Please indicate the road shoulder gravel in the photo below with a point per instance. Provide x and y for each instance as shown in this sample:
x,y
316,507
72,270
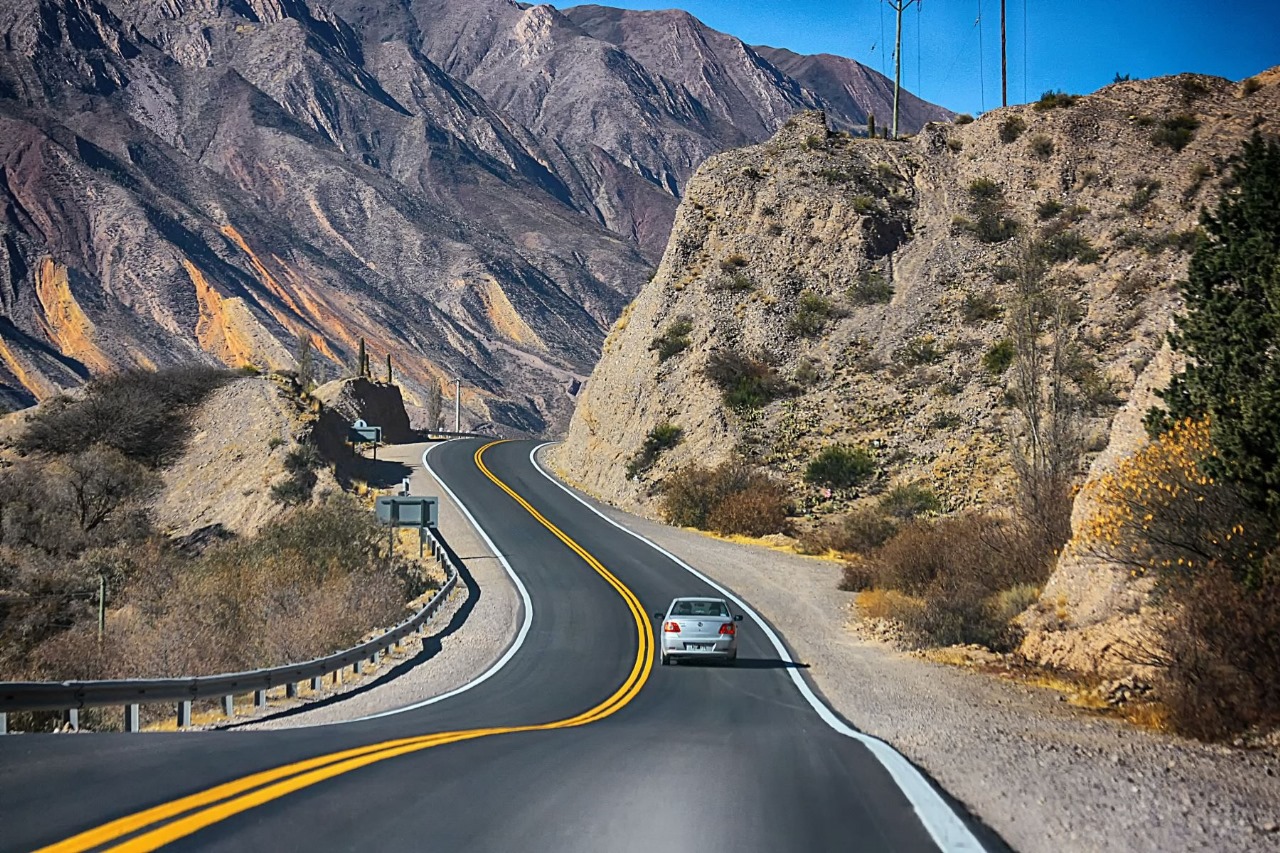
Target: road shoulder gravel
x,y
1044,775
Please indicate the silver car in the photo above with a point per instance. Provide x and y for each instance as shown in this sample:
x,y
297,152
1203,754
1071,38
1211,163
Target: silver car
x,y
698,628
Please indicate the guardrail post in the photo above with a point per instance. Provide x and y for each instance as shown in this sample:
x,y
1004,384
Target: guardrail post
x,y
228,706
184,713
131,717
373,659
317,683
4,723
259,698
358,667
73,719
291,690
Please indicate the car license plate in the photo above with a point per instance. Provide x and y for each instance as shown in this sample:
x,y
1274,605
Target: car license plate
x,y
699,647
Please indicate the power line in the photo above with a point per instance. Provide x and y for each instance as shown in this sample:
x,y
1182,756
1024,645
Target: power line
x,y
982,79
1024,51
883,68
919,66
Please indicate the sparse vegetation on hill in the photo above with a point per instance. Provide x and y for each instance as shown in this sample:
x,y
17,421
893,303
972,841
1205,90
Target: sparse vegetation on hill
x,y
995,362
139,413
72,519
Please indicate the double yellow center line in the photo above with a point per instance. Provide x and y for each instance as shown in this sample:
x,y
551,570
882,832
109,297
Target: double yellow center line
x,y
155,827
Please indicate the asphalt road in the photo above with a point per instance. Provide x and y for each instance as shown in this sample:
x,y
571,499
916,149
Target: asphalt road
x,y
693,758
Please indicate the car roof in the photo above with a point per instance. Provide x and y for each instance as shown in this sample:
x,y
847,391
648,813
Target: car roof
x,y
698,598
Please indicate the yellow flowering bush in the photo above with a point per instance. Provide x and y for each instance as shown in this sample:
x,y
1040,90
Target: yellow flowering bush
x,y
1159,511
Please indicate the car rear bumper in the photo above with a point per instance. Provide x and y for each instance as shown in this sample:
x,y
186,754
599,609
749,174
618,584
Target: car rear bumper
x,y
720,648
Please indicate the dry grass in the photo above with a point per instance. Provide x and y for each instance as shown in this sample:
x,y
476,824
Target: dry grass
x,y
886,604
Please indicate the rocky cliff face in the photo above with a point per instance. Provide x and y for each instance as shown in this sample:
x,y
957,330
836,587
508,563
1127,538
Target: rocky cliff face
x,y
875,241
471,187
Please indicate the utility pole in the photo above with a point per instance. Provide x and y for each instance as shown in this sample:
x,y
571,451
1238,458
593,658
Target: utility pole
x,y
457,405
898,6
1004,61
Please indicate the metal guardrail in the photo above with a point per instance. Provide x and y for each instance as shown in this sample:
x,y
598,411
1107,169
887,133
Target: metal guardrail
x,y
71,696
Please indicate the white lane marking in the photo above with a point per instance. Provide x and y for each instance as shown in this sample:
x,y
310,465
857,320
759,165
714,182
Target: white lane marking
x,y
949,832
520,636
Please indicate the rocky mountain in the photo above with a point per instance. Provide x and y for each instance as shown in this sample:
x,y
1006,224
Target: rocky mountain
x,y
472,188
864,283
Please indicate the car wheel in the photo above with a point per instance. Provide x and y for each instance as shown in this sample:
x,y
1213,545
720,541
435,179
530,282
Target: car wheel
x,y
665,660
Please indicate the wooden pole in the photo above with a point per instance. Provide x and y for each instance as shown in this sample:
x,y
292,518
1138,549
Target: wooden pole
x,y
1004,60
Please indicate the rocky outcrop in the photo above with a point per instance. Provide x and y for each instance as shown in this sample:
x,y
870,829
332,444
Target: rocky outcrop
x,y
875,240
342,402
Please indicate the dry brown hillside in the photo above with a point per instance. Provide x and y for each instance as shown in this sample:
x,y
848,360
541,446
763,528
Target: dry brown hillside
x,y
867,281
837,224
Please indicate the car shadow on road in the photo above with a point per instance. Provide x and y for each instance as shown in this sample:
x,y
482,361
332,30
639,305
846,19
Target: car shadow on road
x,y
751,663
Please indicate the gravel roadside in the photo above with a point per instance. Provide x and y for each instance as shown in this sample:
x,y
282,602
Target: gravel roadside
x,y
1044,775
465,638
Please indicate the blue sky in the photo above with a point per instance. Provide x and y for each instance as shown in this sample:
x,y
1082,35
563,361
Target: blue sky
x,y
1077,46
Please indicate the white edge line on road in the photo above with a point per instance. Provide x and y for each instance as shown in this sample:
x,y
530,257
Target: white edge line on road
x,y
949,832
527,606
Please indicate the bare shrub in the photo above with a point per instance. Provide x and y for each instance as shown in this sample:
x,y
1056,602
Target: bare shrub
x,y
1224,657
139,413
857,532
758,511
309,584
692,497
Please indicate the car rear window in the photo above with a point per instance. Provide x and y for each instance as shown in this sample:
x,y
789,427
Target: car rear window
x,y
699,608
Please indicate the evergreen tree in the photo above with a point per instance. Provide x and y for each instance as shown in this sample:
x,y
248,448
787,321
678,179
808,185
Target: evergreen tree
x,y
362,361
1230,330
388,368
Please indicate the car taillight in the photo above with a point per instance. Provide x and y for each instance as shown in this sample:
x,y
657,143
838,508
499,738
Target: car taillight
x,y
728,628
671,628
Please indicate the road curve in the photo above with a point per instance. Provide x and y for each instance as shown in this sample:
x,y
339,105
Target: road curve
x,y
578,743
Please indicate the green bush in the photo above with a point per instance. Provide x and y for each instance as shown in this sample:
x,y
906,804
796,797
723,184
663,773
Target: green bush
x,y
871,288
840,466
918,351
1144,190
980,307
751,174
1063,246
1048,209
1250,85
661,438
735,282
1176,132
745,382
863,204
1041,146
1011,128
963,118
999,357
1052,100
995,228
674,340
834,176
905,502
985,191
733,262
